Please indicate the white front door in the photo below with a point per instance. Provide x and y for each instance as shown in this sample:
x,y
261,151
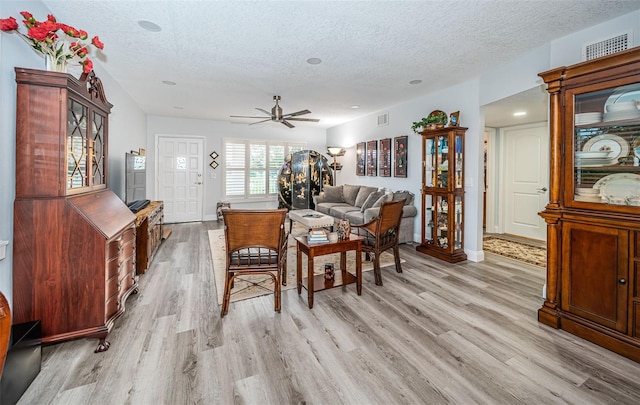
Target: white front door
x,y
526,179
180,177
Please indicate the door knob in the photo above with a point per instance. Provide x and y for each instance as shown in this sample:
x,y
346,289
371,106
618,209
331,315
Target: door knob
x,y
622,281
542,190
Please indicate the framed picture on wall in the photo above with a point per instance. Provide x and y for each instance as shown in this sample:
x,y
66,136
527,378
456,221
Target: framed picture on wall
x,y
360,158
384,163
400,155
372,156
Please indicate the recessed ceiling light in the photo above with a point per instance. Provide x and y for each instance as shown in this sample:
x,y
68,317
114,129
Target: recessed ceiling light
x,y
417,81
314,61
355,107
149,26
169,82
519,113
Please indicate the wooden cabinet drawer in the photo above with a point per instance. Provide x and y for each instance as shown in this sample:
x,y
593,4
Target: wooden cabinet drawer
x,y
111,307
112,287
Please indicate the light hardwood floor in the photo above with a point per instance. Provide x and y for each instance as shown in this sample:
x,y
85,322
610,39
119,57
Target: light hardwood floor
x,y
435,334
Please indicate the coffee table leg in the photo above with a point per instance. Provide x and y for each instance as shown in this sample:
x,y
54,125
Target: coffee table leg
x,y
299,269
310,280
343,265
359,271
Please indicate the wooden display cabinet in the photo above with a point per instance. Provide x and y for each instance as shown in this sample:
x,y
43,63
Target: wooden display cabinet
x,y
74,239
443,194
148,234
593,214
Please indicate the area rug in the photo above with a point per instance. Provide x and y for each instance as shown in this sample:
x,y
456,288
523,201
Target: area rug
x,y
516,250
244,289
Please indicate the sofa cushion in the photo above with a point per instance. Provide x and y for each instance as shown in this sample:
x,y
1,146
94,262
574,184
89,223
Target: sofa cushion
x,y
349,193
373,197
325,207
363,194
333,194
354,217
339,210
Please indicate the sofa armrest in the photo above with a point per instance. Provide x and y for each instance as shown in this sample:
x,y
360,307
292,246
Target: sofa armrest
x,y
319,198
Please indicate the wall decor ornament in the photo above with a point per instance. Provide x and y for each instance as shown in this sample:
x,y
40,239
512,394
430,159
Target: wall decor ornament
x,y
372,155
454,119
59,43
384,169
400,155
214,155
360,158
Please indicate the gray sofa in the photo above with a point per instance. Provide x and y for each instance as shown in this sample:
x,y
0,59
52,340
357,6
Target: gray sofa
x,y
360,204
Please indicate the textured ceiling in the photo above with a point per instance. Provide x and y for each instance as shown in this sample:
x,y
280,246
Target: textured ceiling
x,y
228,57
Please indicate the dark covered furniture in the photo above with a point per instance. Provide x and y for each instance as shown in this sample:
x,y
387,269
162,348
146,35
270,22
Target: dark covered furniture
x,y
256,243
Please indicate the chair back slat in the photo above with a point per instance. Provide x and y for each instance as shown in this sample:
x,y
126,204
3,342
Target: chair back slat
x,y
390,215
254,228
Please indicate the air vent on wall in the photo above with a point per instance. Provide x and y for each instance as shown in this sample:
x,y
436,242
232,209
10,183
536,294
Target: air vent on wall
x,y
607,46
383,119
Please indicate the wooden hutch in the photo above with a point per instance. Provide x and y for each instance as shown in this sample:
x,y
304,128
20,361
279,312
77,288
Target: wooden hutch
x,y
442,231
593,215
74,239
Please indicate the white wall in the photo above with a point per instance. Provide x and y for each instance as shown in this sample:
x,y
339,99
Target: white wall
x,y
214,132
462,97
127,124
469,97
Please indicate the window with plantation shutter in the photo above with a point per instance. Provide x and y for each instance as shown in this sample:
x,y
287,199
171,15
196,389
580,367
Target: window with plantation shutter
x,y
251,167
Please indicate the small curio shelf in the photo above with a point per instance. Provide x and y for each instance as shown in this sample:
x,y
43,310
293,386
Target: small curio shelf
x,y
442,233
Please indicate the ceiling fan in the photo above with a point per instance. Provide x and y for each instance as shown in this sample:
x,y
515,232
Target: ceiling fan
x,y
277,116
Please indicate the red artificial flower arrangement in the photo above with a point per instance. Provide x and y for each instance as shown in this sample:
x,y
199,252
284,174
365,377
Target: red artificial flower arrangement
x,y
59,42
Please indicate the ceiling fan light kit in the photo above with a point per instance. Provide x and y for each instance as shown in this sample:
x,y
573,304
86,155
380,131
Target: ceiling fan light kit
x,y
276,115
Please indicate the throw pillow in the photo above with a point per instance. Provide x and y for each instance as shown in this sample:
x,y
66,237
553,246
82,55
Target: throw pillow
x,y
403,195
349,194
333,194
385,197
363,193
373,197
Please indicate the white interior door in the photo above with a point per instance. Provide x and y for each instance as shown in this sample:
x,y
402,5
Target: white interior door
x,y
526,180
180,177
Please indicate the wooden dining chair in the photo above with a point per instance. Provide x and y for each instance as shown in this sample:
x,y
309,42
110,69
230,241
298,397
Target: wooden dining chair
x,y
256,243
5,329
382,233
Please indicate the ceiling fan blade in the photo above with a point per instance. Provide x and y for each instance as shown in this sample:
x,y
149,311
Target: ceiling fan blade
x,y
246,116
304,119
257,122
287,124
264,111
301,112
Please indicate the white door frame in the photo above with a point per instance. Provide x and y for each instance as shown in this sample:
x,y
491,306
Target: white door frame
x,y
157,166
496,176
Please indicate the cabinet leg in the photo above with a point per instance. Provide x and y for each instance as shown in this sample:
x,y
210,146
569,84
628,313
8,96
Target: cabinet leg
x,y
103,346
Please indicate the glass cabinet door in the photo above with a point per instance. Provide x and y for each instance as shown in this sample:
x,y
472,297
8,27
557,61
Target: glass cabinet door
x,y
441,162
606,147
459,160
77,146
442,222
98,130
429,218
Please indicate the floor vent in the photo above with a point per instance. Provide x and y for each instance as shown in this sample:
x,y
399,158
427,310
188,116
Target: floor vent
x,y
607,46
383,119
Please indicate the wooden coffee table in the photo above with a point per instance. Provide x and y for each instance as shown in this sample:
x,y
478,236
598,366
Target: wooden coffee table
x,y
315,283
